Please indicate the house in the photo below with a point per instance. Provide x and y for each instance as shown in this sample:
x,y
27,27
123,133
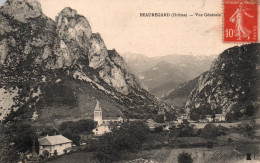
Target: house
x,y
54,144
181,118
220,117
165,126
209,118
151,124
100,130
103,122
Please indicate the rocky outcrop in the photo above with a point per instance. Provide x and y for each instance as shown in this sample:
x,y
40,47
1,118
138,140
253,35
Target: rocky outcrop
x,y
64,61
75,32
98,53
22,10
229,86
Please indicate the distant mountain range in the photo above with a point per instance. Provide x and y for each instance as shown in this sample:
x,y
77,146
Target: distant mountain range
x,y
52,71
230,87
163,74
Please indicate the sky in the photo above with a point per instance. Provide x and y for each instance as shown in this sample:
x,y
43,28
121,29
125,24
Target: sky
x,y
2,2
122,28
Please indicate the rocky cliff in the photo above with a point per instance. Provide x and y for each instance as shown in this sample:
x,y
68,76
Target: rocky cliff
x,y
230,86
60,68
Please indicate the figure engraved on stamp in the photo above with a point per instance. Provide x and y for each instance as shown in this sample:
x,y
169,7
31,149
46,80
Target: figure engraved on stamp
x,y
238,18
240,21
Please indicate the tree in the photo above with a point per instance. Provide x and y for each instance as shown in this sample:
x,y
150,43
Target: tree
x,y
246,129
46,153
185,129
77,127
209,144
229,117
113,126
158,129
21,133
171,116
185,158
74,137
230,140
173,134
159,119
4,146
209,131
124,139
55,153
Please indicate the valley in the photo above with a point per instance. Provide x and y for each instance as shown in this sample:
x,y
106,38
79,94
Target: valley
x,y
66,97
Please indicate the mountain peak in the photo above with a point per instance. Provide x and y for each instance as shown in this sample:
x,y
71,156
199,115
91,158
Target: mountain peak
x,y
72,26
69,12
22,10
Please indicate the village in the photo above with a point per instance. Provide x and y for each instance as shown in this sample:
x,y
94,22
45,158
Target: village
x,y
52,146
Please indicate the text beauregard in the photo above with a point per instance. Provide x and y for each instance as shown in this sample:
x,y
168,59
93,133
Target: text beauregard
x,y
163,15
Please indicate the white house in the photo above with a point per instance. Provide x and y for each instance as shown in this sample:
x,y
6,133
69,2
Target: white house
x,y
209,118
220,117
151,124
100,130
54,143
181,118
103,122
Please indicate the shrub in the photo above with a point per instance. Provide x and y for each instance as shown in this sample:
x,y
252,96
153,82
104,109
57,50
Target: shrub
x,y
246,129
185,158
128,138
230,140
185,129
55,153
211,131
158,129
46,153
210,144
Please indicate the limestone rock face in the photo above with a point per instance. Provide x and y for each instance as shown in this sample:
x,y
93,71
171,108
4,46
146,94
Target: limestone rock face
x,y
22,10
3,50
75,31
98,52
229,87
49,64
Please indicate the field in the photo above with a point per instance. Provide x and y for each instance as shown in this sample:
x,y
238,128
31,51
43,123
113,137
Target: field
x,y
81,157
223,151
223,154
227,125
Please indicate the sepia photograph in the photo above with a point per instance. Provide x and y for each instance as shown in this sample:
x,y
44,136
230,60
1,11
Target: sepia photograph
x,y
133,81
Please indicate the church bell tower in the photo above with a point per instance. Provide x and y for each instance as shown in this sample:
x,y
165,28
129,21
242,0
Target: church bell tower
x,y
98,114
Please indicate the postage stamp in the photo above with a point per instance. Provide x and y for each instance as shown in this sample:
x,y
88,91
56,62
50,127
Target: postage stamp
x,y
240,21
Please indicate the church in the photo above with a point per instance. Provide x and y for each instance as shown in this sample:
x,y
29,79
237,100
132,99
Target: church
x,y
103,122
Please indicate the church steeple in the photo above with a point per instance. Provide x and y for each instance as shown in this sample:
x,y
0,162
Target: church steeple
x,y
98,108
98,114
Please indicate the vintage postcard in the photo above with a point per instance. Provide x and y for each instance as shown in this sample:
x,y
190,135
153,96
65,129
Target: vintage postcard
x,y
133,81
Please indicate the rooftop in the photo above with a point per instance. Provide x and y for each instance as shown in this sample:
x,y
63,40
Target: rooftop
x,y
111,118
53,140
219,115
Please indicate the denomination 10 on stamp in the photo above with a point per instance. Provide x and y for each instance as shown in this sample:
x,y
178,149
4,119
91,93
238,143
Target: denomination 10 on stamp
x,y
240,21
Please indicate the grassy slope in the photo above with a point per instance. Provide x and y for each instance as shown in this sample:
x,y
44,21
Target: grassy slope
x,y
178,97
77,102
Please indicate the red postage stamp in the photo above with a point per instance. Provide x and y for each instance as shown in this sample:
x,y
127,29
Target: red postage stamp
x,y
240,21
